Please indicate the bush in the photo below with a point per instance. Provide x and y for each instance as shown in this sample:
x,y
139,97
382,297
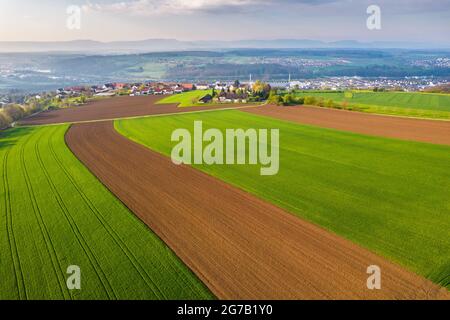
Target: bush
x,y
321,103
124,92
15,112
287,100
310,100
276,100
5,120
300,100
330,104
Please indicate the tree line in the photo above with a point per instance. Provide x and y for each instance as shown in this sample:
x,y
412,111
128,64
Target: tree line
x,y
13,112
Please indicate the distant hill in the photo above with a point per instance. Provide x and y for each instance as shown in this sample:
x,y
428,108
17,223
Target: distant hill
x,y
155,45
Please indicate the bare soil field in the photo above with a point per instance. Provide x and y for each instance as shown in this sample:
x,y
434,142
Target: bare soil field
x,y
432,131
112,108
240,246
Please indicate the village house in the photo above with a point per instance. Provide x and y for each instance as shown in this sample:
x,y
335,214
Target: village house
x,y
206,99
108,86
232,97
202,86
3,102
178,89
188,86
120,86
158,92
220,86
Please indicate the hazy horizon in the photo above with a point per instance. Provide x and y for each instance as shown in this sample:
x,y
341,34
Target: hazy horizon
x,y
422,21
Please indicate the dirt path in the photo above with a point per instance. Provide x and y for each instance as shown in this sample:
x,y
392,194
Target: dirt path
x,y
386,126
113,108
240,247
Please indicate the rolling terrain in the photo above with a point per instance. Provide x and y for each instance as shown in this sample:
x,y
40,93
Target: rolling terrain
x,y
413,104
341,202
54,213
387,195
240,246
38,71
114,108
432,131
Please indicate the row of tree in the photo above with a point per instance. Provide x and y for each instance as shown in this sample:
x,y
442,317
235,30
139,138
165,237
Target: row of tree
x,y
291,99
15,112
12,113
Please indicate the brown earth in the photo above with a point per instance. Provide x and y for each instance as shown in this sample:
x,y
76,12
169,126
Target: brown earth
x,y
113,108
240,246
433,131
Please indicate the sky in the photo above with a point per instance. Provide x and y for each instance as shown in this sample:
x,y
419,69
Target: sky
x,y
327,20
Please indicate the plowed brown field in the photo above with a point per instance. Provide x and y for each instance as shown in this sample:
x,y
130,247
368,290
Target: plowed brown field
x,y
113,108
432,131
240,246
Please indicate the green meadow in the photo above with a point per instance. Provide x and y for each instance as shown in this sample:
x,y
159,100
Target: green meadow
x,y
54,213
185,99
390,196
416,104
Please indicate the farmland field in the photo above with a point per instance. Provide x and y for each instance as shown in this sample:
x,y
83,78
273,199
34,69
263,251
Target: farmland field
x,y
387,195
401,103
241,246
185,99
422,130
55,213
113,108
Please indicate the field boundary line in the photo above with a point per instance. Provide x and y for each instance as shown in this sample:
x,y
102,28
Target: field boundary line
x,y
185,271
372,113
10,232
85,246
198,221
136,117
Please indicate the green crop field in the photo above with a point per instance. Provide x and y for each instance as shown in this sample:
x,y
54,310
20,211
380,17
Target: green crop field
x,y
401,103
387,195
54,213
185,99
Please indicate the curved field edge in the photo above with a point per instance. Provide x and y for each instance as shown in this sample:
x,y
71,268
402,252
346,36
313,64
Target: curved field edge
x,y
186,99
387,195
189,99
55,213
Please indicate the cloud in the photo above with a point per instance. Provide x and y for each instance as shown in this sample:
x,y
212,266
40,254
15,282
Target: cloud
x,y
164,7
184,7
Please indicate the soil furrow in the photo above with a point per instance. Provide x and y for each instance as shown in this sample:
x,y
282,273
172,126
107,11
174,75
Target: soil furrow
x,y
212,227
431,131
152,286
114,108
